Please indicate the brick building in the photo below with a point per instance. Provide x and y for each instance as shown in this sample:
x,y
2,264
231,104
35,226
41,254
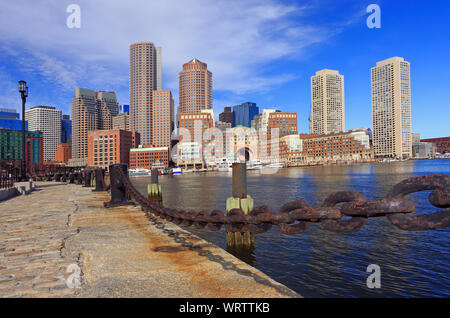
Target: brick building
x,y
107,147
187,129
63,153
335,148
442,144
149,156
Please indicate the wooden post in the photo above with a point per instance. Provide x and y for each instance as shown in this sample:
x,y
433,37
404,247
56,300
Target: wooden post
x,y
154,188
240,200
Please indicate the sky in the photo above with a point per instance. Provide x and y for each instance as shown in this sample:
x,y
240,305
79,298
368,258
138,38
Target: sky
x,y
263,51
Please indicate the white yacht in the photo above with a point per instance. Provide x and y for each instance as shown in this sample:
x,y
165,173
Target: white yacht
x,y
275,165
176,170
254,165
224,165
137,172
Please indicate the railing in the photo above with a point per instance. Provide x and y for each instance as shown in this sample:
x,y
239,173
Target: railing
x,y
293,217
297,216
6,180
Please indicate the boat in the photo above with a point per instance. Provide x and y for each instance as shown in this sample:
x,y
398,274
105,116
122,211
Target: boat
x,y
254,165
224,165
138,172
275,165
176,170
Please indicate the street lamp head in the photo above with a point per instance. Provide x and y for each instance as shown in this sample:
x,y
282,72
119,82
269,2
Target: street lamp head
x,y
23,88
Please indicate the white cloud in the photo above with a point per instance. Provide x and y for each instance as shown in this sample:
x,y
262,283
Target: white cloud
x,y
238,40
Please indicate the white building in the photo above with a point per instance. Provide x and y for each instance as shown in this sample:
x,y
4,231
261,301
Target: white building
x,y
47,120
391,108
327,103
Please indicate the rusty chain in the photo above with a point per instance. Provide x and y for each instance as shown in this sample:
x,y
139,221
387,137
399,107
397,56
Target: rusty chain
x,y
296,216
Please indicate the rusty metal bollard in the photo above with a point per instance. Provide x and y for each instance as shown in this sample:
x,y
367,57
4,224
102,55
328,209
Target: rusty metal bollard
x,y
100,184
79,177
71,177
154,192
118,189
240,200
87,178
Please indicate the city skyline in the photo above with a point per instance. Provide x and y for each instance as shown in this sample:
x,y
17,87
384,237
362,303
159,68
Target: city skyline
x,y
270,79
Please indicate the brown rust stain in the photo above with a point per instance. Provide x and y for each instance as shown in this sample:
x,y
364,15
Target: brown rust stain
x,y
181,258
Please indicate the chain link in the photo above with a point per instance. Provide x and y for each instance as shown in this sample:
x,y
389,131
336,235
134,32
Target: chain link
x,y
296,216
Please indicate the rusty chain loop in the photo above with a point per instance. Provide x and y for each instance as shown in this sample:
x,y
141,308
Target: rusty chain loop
x,y
296,216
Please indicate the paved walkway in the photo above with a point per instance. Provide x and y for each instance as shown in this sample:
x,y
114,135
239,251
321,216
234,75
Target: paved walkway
x,y
121,252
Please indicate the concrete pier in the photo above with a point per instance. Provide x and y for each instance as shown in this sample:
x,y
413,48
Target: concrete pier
x,y
119,251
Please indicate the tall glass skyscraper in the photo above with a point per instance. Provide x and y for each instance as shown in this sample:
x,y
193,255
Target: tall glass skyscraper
x,y
243,114
66,129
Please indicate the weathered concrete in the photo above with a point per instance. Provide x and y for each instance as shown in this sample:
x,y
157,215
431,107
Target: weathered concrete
x,y
120,251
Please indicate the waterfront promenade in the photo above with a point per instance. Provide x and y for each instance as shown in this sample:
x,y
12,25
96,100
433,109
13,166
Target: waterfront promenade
x,y
121,253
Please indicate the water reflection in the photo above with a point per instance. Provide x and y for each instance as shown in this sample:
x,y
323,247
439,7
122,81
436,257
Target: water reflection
x,y
319,263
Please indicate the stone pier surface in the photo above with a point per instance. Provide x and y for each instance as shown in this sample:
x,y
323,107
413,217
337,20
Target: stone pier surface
x,y
120,252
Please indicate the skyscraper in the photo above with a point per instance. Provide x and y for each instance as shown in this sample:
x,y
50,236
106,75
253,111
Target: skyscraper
x,y
327,102
195,87
90,111
145,77
391,108
66,129
10,119
47,120
244,113
226,116
162,118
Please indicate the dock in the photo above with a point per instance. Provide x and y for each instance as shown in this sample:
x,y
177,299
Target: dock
x,y
48,234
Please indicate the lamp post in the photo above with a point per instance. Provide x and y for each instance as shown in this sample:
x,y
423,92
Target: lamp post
x,y
23,89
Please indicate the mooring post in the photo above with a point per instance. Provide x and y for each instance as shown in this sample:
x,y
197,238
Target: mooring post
x,y
100,184
240,200
72,177
79,177
118,189
64,177
154,188
87,178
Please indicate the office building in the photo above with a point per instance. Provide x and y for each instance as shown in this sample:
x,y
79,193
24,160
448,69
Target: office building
x,y
144,78
90,111
337,148
226,116
442,144
195,87
327,102
148,156
63,153
11,147
47,120
66,129
121,121
391,108
107,147
222,125
191,130
10,119
162,118
244,113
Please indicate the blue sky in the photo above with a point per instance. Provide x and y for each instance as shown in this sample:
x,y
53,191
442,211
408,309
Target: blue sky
x,y
260,51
